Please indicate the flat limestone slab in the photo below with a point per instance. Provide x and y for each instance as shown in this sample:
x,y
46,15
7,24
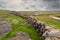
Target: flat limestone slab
x,y
20,36
5,27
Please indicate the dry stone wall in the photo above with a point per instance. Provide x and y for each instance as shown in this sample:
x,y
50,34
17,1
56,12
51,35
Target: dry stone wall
x,y
45,31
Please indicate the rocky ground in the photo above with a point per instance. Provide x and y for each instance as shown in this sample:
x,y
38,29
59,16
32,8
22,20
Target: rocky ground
x,y
20,36
5,27
56,18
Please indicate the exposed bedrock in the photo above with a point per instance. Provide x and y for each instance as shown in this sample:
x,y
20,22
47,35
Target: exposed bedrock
x,y
5,27
21,36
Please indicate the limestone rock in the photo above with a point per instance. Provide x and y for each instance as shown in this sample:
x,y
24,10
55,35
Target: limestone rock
x,y
20,36
52,34
4,28
15,21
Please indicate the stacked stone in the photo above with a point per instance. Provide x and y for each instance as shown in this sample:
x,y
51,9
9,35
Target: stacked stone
x,y
39,27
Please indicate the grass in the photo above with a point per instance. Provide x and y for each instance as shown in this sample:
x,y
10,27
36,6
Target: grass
x,y
19,27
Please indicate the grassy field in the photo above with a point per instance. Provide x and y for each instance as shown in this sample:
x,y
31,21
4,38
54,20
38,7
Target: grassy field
x,y
18,27
45,17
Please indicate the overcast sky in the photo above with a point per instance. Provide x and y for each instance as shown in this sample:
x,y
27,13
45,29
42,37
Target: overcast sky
x,y
30,5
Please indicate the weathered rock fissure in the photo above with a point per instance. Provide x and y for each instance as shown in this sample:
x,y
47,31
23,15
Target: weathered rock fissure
x,y
45,31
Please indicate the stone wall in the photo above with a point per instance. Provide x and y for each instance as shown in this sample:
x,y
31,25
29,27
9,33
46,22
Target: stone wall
x,y
45,31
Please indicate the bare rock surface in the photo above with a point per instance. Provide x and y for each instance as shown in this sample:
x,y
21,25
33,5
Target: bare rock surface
x,y
57,18
15,21
52,34
5,27
20,36
1,18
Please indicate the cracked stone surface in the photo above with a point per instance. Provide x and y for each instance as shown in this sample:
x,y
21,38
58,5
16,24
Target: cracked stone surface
x,y
5,27
20,36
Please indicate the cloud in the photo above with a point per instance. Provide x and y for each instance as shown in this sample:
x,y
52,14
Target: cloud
x,y
30,5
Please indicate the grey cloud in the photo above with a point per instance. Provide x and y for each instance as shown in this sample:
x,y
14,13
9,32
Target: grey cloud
x,y
30,5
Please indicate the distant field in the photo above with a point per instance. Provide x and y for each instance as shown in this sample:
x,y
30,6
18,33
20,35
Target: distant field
x,y
57,13
45,17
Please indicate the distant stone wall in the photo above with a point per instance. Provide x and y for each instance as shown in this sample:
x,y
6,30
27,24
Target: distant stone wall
x,y
45,31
